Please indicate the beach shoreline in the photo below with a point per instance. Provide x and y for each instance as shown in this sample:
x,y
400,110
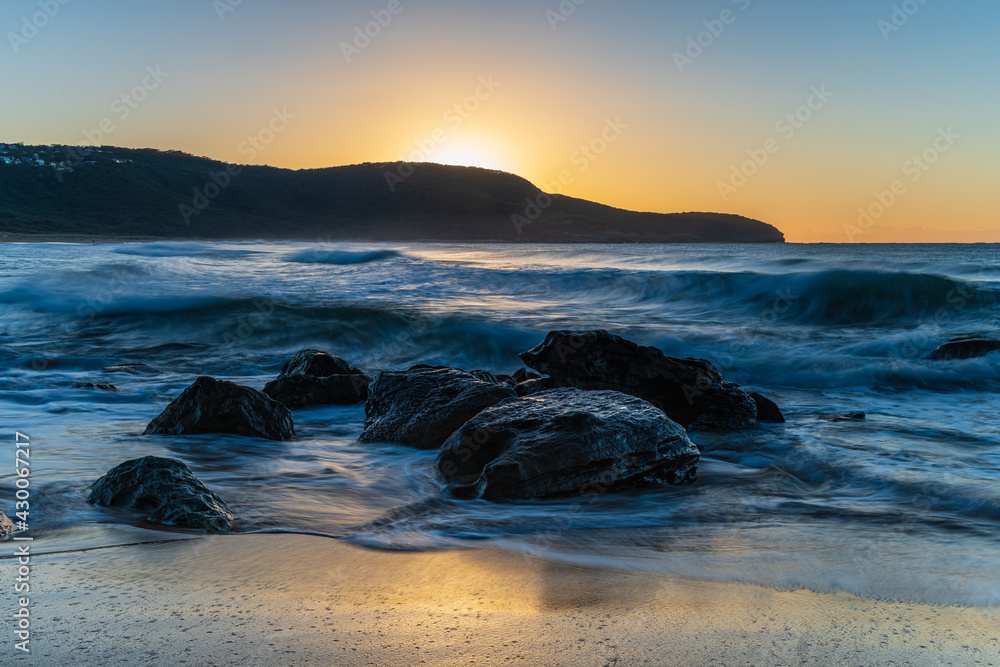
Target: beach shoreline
x,y
303,600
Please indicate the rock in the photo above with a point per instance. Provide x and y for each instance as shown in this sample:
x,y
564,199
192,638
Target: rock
x,y
767,410
165,491
421,407
317,363
103,386
690,391
130,369
313,377
217,406
965,348
523,375
486,376
845,417
6,527
296,391
533,386
566,441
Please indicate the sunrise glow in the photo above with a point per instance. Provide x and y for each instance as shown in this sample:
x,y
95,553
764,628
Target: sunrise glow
x,y
728,122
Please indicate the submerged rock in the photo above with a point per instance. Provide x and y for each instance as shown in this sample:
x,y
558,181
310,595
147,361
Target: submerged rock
x,y
691,391
6,527
218,406
130,369
103,386
845,417
767,410
421,407
563,442
164,491
965,348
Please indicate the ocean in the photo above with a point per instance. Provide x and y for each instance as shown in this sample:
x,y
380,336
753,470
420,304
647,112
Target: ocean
x,y
902,505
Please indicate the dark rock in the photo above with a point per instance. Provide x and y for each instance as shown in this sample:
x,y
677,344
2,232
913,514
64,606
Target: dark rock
x,y
317,363
103,386
421,407
313,377
690,391
767,410
523,375
6,527
566,441
533,386
485,376
295,391
165,491
965,348
131,369
217,406
845,417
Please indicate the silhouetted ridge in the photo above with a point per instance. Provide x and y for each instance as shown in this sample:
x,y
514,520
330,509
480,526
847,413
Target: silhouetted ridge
x,y
145,192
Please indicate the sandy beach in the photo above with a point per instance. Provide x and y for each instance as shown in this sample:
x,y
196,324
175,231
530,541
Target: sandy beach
x,y
303,600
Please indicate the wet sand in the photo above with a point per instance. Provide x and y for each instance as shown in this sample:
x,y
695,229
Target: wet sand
x,y
303,600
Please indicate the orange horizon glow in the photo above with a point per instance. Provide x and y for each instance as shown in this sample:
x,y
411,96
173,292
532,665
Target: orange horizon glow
x,y
775,119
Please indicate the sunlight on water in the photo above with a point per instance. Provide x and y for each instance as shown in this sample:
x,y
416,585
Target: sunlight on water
x,y
904,504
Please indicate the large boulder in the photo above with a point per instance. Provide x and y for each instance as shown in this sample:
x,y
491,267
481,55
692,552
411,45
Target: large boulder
x,y
421,407
566,441
318,364
6,527
164,491
691,391
217,406
313,377
296,391
965,348
767,410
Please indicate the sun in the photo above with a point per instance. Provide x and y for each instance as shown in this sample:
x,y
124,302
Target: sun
x,y
472,152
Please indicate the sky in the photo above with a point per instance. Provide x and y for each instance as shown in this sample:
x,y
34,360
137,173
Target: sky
x,y
847,121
